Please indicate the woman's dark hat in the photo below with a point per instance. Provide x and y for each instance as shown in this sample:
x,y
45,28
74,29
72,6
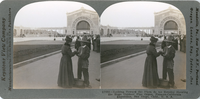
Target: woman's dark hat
x,y
68,39
153,39
84,39
169,39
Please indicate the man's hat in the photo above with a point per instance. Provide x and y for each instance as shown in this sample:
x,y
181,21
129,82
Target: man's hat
x,y
68,39
169,39
84,39
153,39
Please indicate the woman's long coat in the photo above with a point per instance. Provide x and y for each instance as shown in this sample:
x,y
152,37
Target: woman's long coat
x,y
66,76
150,75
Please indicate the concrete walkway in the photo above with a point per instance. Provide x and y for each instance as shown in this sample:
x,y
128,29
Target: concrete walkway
x,y
127,74
43,73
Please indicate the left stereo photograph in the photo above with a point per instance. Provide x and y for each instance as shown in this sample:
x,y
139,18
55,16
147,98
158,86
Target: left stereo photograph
x,y
56,45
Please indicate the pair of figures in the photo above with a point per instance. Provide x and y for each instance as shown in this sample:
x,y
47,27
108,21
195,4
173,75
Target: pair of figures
x,y
150,75
66,76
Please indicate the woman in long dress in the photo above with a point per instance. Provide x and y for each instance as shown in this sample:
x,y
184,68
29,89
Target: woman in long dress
x,y
150,75
66,76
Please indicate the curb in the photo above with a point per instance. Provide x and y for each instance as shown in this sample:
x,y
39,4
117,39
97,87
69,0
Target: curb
x,y
121,59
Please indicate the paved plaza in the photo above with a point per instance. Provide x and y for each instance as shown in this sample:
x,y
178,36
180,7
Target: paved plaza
x,y
127,74
20,39
43,73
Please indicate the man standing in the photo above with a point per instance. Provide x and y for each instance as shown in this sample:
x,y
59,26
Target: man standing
x,y
83,62
168,62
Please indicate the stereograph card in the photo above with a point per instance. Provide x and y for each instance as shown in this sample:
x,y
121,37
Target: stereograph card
x,y
99,49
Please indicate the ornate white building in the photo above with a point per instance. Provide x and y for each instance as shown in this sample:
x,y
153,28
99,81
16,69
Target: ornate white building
x,y
83,21
169,21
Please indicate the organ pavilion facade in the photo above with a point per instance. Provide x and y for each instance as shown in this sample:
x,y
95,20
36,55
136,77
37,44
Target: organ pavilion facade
x,y
83,21
169,21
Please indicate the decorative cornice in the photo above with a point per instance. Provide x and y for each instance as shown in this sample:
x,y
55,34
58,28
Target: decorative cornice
x,y
167,11
81,10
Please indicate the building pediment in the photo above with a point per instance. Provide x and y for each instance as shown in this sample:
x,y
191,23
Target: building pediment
x,y
82,12
169,11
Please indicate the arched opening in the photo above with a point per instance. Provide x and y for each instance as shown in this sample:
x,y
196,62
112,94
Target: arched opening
x,y
170,27
83,27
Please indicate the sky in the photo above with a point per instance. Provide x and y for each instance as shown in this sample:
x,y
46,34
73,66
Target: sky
x,y
132,14
47,14
53,14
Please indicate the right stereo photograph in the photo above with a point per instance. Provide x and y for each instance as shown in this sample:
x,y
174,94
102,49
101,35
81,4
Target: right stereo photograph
x,y
143,46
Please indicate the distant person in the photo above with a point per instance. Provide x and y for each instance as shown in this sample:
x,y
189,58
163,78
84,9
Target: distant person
x,y
89,42
150,75
77,43
184,43
66,76
98,43
180,42
176,43
163,44
94,44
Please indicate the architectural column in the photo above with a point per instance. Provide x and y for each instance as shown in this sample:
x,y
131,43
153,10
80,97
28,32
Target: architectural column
x,y
149,31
